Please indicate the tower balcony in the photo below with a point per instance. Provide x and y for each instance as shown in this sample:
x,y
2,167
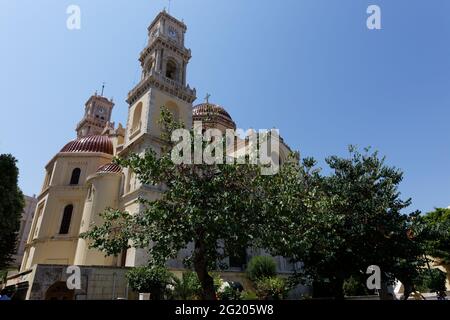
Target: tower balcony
x,y
163,41
135,130
156,79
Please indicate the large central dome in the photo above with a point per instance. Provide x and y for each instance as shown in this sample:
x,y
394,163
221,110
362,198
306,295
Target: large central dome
x,y
210,113
95,143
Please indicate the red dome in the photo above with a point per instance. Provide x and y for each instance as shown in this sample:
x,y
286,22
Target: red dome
x,y
109,168
90,144
211,112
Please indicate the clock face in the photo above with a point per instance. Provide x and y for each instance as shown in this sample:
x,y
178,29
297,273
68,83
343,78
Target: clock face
x,y
101,110
173,33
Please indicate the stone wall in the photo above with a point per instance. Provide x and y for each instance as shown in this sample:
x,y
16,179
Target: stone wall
x,y
97,283
107,283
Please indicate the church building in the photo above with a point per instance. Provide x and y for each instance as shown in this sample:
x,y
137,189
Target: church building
x,y
81,181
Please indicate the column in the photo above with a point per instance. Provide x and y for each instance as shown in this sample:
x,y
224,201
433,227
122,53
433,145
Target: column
x,y
158,60
184,74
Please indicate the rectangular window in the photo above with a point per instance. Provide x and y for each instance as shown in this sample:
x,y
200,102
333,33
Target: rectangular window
x,y
67,217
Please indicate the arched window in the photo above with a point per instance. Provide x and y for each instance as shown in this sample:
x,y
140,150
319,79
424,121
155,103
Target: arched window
x,y
149,66
128,183
66,219
91,193
59,291
171,70
172,107
137,118
75,178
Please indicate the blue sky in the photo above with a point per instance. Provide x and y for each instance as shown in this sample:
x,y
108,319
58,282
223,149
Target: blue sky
x,y
308,67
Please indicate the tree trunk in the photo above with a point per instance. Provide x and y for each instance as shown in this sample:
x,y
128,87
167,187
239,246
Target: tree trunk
x,y
408,289
337,288
201,268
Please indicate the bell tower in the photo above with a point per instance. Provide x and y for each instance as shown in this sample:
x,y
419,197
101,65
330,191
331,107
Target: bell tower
x,y
97,115
163,81
165,52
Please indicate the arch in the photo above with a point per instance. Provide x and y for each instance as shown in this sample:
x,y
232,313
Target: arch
x,y
59,291
66,219
91,193
283,157
171,69
136,124
75,178
128,182
149,65
173,109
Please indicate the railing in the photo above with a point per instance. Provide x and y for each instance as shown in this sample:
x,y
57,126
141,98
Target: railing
x,y
163,79
135,130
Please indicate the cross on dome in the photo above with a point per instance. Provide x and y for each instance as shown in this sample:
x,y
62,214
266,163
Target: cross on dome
x,y
207,97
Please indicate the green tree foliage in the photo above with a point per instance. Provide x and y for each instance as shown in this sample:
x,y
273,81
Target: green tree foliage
x,y
436,234
338,225
432,280
206,205
11,207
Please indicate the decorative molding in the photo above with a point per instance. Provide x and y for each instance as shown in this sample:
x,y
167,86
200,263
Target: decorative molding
x,y
164,14
161,42
157,80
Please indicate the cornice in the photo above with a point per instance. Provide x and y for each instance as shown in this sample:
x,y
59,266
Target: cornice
x,y
164,42
170,18
157,80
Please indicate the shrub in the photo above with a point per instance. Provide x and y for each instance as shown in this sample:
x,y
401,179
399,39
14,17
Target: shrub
x,y
261,267
218,281
248,295
432,280
153,280
230,291
3,275
354,287
273,288
188,287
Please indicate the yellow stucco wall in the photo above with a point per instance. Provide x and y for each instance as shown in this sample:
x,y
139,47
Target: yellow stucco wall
x,y
45,244
105,191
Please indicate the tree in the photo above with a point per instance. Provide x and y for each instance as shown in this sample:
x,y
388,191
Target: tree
x,y
213,207
339,225
432,230
11,207
436,227
433,280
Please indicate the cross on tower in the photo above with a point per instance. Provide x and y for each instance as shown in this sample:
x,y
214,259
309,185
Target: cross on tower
x,y
103,88
207,97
